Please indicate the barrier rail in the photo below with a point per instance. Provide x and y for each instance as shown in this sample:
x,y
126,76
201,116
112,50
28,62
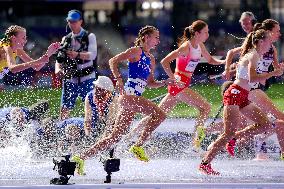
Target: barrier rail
x,y
156,186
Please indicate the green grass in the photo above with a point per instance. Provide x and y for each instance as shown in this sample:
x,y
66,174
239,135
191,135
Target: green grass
x,y
26,97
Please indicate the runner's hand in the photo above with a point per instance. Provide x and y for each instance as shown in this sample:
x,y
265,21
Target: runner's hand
x,y
226,74
277,72
53,47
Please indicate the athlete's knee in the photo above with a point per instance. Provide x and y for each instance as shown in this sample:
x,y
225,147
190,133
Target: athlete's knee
x,y
228,135
157,118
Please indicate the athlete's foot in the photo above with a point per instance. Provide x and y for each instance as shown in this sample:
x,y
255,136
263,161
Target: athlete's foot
x,y
207,169
200,136
230,147
139,153
80,164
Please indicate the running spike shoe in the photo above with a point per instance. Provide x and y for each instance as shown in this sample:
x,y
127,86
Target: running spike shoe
x,y
139,153
199,137
80,164
207,169
231,147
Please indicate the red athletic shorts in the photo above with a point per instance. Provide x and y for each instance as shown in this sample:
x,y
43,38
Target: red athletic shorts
x,y
173,89
235,95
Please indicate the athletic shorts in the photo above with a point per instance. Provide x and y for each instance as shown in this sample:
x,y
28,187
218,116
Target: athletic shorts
x,y
71,91
235,95
173,89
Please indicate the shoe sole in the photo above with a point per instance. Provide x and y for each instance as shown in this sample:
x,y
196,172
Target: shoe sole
x,y
206,173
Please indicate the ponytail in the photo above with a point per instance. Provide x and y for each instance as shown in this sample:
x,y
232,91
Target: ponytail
x,y
189,31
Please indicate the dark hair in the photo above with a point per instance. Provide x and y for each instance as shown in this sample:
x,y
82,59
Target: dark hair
x,y
189,31
267,24
146,30
252,39
257,26
11,31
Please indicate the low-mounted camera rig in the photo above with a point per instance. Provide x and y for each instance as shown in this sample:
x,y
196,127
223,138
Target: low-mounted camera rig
x,y
111,165
64,167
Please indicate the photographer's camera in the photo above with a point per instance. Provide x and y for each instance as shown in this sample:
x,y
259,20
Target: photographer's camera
x,y
64,167
69,66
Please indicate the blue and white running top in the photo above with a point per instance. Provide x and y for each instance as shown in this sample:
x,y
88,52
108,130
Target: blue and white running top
x,y
138,73
263,65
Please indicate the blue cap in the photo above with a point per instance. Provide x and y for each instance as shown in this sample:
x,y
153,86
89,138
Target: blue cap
x,y
74,15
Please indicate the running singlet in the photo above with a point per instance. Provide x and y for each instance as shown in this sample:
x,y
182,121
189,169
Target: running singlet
x,y
185,64
188,63
242,70
3,61
263,66
138,73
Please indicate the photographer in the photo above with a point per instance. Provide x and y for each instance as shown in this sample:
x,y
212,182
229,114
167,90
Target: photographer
x,y
76,63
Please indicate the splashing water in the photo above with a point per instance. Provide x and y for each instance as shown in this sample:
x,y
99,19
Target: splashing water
x,y
19,167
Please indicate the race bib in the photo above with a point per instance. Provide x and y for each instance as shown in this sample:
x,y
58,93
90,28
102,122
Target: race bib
x,y
263,65
191,65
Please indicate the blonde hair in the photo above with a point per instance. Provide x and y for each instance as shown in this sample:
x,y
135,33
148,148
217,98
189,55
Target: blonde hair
x,y
11,31
147,30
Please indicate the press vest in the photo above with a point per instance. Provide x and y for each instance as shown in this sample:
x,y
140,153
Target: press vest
x,y
84,68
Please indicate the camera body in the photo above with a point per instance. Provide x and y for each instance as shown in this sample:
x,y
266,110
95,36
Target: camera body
x,y
69,66
111,165
64,167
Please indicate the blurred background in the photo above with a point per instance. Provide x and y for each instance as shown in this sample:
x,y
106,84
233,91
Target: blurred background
x,y
116,24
